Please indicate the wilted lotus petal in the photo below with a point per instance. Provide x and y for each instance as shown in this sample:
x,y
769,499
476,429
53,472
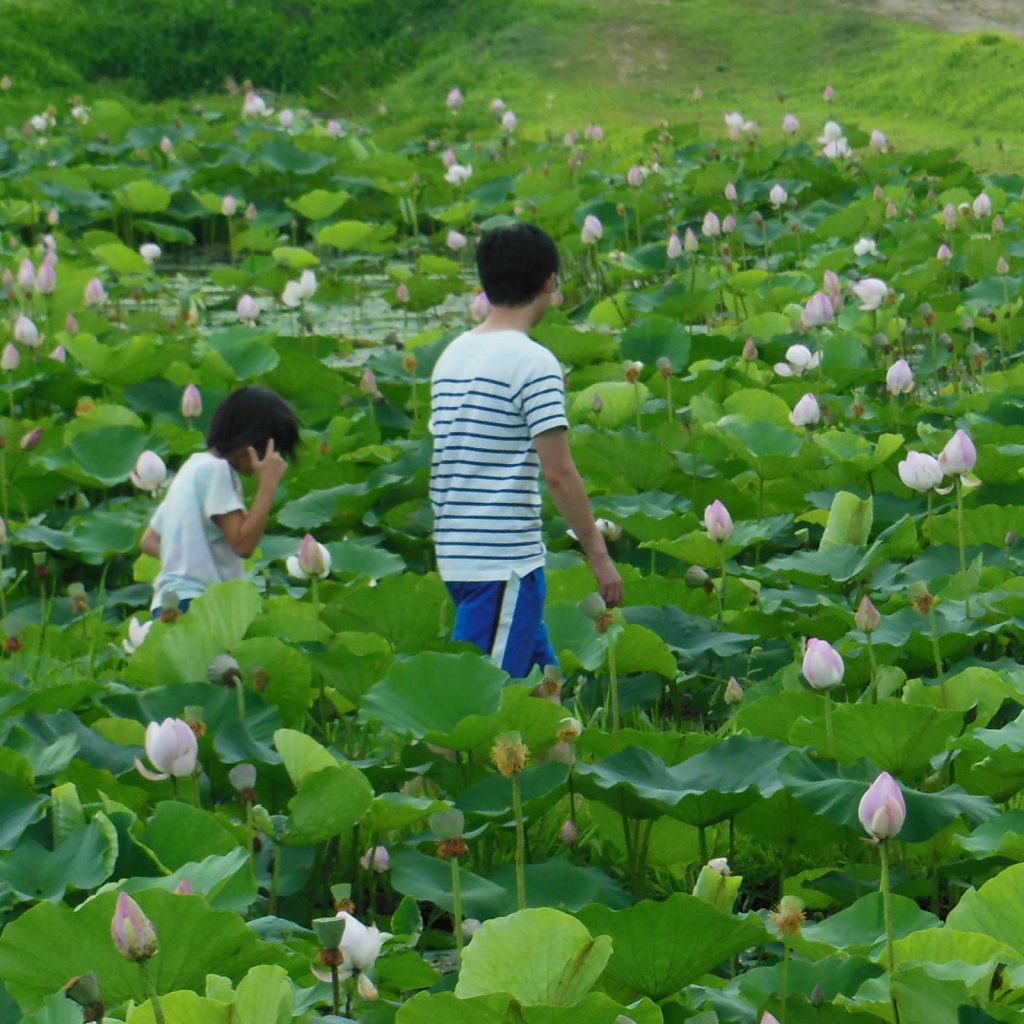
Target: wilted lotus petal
x,y
136,634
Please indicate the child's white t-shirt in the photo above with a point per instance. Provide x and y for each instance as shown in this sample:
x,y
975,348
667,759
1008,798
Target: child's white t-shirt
x,y
193,551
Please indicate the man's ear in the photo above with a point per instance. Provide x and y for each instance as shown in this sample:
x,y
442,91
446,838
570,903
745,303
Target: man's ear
x,y
551,284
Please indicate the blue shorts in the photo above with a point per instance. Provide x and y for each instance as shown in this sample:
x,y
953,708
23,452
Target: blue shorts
x,y
505,619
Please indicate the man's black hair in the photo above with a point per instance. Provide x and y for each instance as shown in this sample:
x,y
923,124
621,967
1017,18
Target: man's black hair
x,y
514,262
250,417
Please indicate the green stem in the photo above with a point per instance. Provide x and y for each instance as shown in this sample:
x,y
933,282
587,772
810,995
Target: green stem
x,y
613,682
636,394
154,996
721,587
335,990
874,671
668,399
195,790
702,839
883,852
937,653
928,521
517,806
785,978
830,745
457,907
963,546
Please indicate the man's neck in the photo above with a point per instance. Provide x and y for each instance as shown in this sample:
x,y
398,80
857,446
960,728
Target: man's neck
x,y
510,318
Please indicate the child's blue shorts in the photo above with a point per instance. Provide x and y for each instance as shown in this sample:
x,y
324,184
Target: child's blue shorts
x,y
505,619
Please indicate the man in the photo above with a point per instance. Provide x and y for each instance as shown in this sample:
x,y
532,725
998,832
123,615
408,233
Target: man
x,y
498,418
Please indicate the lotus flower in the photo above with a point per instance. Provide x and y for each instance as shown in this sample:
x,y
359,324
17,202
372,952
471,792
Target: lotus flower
x,y
817,312
635,176
313,559
456,240
229,205
254,105
46,278
750,352
59,354
899,379
837,149
712,226
10,359
944,253
248,308
959,456
920,471
26,276
865,247
790,125
778,195
496,106
982,205
674,249
402,295
31,440
798,360
730,192
95,294
243,776
376,859
454,99
286,118
878,140
718,522
133,933
149,473
191,402
594,132
734,122
509,121
882,809
26,332
172,749
166,146
822,667
334,128
867,618
806,412
458,174
828,94
949,216
871,292
728,224
593,229
360,945
296,293
569,833
1002,266
733,691
150,251
690,243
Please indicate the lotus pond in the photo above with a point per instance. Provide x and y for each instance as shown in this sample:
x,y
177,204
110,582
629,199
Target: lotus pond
x,y
758,330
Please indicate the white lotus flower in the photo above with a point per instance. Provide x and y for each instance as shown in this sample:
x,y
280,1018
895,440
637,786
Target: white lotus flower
x,y
458,174
865,247
137,632
149,473
799,359
296,293
871,292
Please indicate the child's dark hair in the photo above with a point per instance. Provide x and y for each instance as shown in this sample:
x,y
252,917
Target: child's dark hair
x,y
250,417
514,262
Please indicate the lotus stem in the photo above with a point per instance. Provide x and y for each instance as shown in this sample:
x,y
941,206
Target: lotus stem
x,y
963,546
883,853
830,744
785,978
937,653
721,587
517,807
668,399
929,529
154,996
613,685
873,685
636,395
335,990
457,901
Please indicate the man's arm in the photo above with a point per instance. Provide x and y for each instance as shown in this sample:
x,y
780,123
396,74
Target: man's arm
x,y
565,485
150,543
241,529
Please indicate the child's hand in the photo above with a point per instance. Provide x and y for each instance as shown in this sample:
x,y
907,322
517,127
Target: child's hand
x,y
271,467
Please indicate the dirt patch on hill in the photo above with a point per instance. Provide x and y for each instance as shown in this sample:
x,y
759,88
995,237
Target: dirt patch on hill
x,y
951,15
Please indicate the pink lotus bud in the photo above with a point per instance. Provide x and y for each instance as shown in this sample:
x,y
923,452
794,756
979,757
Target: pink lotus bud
x,y
166,146
334,128
734,122
890,210
718,522
313,560
287,119
26,332
229,205
402,293
5,82
823,668
729,224
867,618
768,1018
806,412
570,138
790,125
877,193
730,192
828,94
982,205
949,216
733,691
674,249
59,354
481,306
944,253
594,132
778,196
150,252
959,456
251,213
248,308
31,439
712,226
750,352
593,229
184,888
448,157
871,292
10,359
191,402
95,294
71,324
26,276
899,379
455,99
53,216
456,240
46,278
150,473
920,471
818,311
1002,267
882,809
635,176
690,243
878,140
496,106
997,224
243,776
509,121
368,385
570,833
376,859
132,932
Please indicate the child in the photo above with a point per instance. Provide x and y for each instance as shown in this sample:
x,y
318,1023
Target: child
x,y
202,532
498,420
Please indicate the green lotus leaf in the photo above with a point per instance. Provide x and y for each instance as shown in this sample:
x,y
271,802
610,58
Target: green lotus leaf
x,y
319,204
429,878
993,910
142,197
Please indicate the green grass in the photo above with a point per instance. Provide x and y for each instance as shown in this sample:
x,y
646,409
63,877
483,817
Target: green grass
x,y
629,65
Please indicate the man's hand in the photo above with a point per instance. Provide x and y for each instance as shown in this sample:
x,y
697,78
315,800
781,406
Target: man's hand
x,y
271,468
609,582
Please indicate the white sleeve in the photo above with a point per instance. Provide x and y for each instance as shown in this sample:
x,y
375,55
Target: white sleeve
x,y
219,496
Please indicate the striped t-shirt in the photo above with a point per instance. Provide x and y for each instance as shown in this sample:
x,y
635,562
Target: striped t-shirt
x,y
492,392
